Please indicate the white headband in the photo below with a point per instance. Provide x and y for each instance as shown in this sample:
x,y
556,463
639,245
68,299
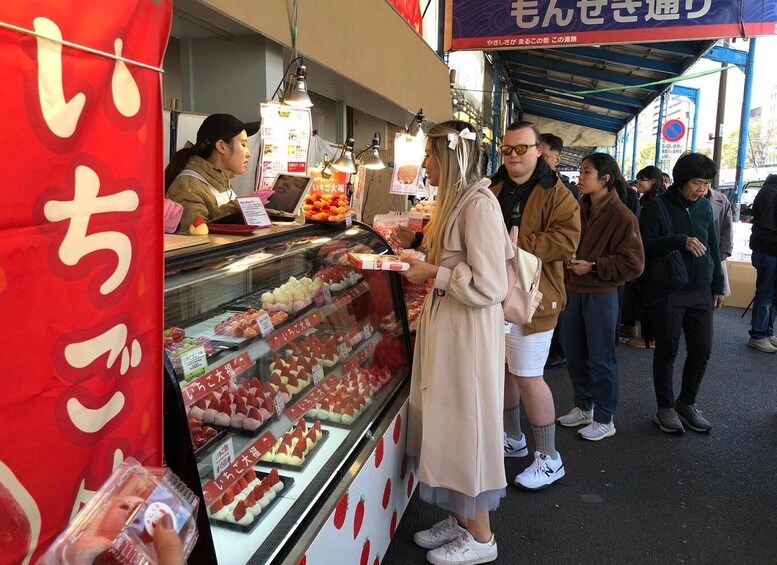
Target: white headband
x,y
453,138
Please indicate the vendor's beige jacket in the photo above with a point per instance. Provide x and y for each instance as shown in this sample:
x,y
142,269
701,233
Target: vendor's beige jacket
x,y
456,397
196,197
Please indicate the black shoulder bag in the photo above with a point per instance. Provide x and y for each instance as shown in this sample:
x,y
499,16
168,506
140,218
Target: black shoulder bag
x,y
665,274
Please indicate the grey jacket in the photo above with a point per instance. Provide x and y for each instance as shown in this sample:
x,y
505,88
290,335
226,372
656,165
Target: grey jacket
x,y
724,222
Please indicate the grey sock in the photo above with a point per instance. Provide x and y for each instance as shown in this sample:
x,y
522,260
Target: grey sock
x,y
512,422
545,439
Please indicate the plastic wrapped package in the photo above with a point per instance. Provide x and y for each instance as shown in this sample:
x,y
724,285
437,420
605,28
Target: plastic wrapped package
x,y
386,225
117,524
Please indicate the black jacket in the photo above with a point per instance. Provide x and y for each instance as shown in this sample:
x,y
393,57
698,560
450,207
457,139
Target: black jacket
x,y
695,221
764,236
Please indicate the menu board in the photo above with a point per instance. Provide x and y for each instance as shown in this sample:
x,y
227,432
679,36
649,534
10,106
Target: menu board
x,y
408,158
286,134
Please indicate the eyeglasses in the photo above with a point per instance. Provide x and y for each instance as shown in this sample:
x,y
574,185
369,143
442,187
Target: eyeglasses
x,y
519,149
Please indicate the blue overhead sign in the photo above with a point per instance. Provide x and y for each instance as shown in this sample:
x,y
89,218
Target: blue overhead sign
x,y
516,24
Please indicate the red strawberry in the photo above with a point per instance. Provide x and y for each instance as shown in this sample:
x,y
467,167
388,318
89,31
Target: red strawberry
x,y
410,483
299,450
379,454
218,505
242,483
250,500
365,553
228,498
358,518
250,475
253,413
393,525
240,511
341,511
377,560
304,560
397,428
274,477
387,494
256,383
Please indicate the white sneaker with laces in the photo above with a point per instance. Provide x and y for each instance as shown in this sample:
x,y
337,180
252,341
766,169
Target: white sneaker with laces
x,y
773,340
596,431
576,417
515,448
438,535
464,550
540,474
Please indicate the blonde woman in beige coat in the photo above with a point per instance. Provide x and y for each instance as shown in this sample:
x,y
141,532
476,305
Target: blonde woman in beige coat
x,y
456,399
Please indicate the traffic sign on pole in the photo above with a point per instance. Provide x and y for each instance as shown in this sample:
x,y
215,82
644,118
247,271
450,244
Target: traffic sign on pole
x,y
673,130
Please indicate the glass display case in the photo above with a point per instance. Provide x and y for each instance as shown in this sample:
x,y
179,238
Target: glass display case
x,y
280,360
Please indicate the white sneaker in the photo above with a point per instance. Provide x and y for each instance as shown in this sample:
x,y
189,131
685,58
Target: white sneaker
x,y
576,417
439,534
540,474
464,550
515,447
596,431
764,344
773,340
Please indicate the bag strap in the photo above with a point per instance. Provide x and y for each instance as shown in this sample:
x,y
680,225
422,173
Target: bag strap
x,y
668,225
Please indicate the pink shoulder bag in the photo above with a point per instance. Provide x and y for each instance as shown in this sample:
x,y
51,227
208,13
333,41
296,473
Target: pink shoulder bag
x,y
523,278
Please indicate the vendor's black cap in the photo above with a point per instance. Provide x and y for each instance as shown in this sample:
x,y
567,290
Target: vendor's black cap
x,y
221,126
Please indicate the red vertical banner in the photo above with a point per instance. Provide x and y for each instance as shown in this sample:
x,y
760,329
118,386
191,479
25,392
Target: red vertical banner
x,y
80,255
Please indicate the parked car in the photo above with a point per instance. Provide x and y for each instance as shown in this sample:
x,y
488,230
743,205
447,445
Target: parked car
x,y
749,191
726,188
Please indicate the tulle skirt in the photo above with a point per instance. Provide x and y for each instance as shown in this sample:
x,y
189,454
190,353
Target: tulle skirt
x,y
461,504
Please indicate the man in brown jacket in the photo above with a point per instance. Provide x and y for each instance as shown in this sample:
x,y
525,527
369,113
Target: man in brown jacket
x,y
533,198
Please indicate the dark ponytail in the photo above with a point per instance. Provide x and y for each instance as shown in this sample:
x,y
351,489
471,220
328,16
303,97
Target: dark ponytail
x,y
654,174
606,165
178,163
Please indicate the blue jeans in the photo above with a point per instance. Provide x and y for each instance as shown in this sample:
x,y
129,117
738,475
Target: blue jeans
x,y
765,303
589,323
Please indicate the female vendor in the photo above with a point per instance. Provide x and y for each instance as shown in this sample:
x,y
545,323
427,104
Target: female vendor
x,y
198,175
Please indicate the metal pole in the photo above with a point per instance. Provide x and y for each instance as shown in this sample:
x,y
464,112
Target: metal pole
x,y
696,106
623,150
717,149
744,127
495,126
441,29
634,148
660,126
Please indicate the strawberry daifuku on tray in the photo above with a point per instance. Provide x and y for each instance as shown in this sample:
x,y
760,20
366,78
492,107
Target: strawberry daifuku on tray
x,y
351,397
244,501
293,447
246,406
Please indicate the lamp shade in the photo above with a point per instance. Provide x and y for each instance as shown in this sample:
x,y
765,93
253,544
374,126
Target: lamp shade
x,y
373,161
345,162
297,94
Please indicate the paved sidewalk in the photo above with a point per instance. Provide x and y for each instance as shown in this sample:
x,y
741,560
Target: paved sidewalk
x,y
643,496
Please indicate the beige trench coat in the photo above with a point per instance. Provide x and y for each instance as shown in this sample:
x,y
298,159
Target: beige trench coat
x,y
457,384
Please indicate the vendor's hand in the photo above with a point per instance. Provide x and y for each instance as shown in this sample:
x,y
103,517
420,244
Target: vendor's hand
x,y
724,256
420,271
695,246
405,236
167,543
580,267
717,301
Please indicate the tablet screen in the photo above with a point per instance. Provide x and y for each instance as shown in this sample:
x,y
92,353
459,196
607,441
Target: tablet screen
x,y
289,193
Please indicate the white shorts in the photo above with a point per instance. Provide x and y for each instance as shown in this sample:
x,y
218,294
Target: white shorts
x,y
527,354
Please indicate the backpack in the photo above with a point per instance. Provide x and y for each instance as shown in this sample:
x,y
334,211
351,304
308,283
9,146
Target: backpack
x,y
523,278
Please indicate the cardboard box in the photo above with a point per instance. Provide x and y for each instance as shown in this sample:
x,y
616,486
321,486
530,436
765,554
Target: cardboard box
x,y
741,277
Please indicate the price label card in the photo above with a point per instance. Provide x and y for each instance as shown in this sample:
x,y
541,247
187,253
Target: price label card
x,y
223,457
367,330
318,373
342,350
280,405
318,297
348,220
194,362
253,211
265,324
